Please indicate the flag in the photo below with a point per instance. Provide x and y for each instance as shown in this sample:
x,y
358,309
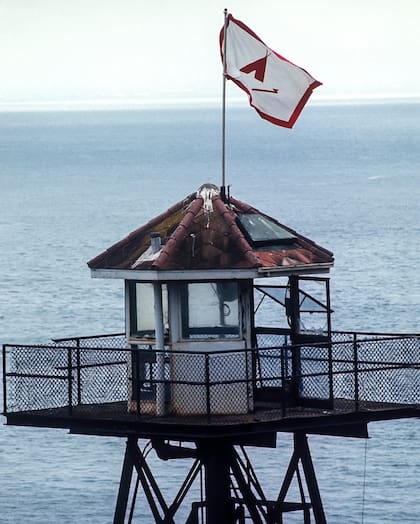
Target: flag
x,y
277,88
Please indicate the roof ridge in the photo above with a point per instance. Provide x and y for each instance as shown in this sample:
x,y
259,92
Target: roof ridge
x,y
176,236
237,233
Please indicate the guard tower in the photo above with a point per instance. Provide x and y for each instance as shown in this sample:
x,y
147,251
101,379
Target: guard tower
x,y
228,341
189,287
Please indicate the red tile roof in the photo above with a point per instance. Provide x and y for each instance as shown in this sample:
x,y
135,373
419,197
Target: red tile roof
x,y
203,232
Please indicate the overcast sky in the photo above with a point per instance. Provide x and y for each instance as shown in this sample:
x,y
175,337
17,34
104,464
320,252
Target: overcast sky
x,y
143,50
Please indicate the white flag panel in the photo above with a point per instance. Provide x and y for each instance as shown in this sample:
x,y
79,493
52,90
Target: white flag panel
x,y
276,88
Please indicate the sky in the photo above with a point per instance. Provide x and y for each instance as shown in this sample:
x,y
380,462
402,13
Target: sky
x,y
136,51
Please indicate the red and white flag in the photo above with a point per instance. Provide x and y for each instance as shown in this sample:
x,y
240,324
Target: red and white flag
x,y
276,88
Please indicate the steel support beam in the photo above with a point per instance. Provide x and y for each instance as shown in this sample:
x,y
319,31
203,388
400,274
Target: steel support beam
x,y
249,498
301,442
150,487
216,457
231,487
302,454
124,489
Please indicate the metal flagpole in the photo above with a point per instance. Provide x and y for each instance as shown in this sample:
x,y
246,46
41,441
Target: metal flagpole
x,y
223,187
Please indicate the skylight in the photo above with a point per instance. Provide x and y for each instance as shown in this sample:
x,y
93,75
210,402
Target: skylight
x,y
261,230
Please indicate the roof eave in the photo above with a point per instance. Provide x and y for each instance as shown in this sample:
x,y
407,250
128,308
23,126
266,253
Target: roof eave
x,y
311,269
152,275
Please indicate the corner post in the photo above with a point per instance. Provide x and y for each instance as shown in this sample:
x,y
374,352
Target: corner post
x,y
294,315
160,349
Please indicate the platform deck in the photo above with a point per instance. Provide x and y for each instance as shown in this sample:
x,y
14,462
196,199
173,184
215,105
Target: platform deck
x,y
114,419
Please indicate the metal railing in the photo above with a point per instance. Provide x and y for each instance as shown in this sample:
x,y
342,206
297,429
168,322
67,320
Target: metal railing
x,y
99,372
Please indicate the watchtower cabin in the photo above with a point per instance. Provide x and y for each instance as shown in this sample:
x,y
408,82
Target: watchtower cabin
x,y
228,341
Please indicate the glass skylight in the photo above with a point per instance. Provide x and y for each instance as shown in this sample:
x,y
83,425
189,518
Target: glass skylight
x,y
260,229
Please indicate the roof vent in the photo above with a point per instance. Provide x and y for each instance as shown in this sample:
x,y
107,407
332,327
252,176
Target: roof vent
x,y
152,252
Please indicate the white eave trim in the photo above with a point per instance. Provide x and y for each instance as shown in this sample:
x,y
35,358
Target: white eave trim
x,y
209,274
165,276
295,270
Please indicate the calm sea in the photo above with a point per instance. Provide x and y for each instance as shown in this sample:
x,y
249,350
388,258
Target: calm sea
x,y
72,183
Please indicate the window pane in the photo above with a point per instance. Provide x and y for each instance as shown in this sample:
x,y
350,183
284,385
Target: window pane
x,y
212,309
145,315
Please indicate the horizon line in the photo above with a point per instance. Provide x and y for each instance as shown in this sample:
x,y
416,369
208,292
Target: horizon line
x,y
114,104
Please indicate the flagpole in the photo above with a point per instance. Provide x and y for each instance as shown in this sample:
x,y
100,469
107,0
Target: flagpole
x,y
223,186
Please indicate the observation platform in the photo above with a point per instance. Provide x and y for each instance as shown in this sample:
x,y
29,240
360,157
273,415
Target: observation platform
x,y
87,385
112,419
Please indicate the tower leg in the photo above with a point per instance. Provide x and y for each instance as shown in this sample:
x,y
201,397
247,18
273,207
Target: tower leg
x,y
124,489
216,458
301,441
231,487
302,453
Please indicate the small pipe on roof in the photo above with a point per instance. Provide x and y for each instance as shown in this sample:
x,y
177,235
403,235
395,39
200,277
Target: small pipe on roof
x,y
192,236
225,194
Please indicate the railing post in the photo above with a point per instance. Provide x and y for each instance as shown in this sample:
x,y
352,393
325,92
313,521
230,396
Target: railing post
x,y
69,381
4,380
284,386
207,379
136,381
356,372
160,383
330,372
296,374
248,382
78,373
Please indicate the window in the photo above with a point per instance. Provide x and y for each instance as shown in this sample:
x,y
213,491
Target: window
x,y
210,309
142,314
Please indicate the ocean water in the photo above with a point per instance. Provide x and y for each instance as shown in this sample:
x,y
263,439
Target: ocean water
x,y
73,183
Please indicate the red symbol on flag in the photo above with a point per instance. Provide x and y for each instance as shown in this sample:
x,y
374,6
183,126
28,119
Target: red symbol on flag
x,y
274,90
258,66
